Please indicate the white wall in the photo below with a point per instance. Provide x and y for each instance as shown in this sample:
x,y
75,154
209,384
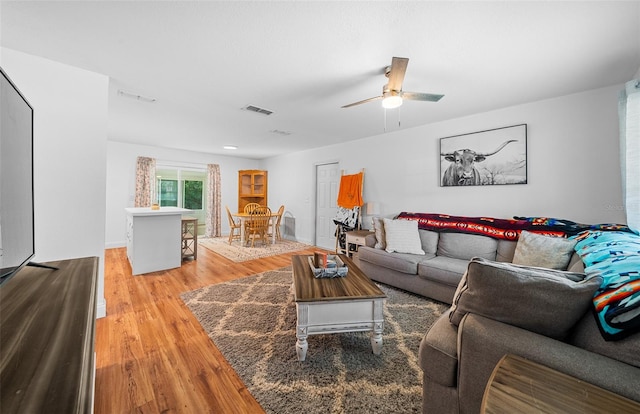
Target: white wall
x,y
573,166
121,172
70,135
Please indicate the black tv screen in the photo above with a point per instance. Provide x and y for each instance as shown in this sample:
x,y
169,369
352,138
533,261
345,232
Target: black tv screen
x,y
17,239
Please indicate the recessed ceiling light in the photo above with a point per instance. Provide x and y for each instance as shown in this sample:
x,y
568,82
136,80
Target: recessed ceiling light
x,y
230,147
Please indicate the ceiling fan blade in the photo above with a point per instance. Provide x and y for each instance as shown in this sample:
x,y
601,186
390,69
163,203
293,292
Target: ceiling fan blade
x,y
361,102
417,96
396,75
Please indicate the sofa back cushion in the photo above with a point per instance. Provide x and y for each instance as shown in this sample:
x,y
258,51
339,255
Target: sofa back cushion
x,y
586,335
466,246
545,301
576,264
429,240
505,251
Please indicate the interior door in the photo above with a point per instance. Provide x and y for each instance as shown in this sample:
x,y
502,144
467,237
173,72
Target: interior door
x,y
327,184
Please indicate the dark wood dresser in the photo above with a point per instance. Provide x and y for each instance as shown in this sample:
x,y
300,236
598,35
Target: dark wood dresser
x,y
47,331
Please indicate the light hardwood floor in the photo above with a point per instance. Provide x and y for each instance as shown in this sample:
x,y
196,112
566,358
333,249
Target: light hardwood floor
x,y
152,355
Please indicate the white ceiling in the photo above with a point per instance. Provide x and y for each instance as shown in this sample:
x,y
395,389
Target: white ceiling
x,y
204,61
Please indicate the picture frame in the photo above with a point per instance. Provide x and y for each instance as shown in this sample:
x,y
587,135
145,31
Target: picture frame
x,y
491,157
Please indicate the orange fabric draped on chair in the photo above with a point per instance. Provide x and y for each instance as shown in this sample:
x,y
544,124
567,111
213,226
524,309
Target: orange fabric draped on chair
x,y
350,192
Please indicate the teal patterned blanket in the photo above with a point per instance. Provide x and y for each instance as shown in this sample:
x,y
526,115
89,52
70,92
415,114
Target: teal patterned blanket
x,y
614,256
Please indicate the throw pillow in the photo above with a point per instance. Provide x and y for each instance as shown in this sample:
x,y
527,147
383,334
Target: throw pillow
x,y
402,236
378,228
545,301
543,251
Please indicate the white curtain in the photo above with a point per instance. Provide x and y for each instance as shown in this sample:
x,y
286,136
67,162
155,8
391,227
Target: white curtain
x,y
145,182
629,109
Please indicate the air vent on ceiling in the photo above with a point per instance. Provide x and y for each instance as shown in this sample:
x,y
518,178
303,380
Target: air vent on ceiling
x,y
257,109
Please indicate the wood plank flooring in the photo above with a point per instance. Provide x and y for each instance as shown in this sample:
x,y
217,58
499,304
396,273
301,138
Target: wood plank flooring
x,y
152,356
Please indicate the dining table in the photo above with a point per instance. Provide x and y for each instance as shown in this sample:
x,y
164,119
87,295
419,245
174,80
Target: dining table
x,y
244,216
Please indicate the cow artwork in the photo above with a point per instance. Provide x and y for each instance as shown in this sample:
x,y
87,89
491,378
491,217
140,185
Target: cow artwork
x,y
462,169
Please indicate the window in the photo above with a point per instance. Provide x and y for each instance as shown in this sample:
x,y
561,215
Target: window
x,y
193,194
629,107
168,192
183,187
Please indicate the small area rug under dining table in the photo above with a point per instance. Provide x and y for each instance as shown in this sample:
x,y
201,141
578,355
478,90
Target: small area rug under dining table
x,y
238,253
252,321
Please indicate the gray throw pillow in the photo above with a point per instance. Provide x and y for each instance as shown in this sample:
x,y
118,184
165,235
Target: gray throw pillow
x,y
378,228
543,251
545,301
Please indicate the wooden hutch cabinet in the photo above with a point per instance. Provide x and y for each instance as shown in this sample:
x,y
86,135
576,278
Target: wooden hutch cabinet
x,y
252,188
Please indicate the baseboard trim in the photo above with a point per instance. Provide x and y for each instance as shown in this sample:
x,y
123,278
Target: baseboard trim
x,y
101,308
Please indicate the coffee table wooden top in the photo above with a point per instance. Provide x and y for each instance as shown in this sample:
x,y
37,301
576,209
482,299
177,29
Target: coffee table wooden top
x,y
356,285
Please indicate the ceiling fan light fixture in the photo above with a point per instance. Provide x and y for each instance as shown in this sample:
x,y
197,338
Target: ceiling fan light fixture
x,y
392,101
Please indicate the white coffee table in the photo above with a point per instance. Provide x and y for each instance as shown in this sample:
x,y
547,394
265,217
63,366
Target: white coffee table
x,y
334,305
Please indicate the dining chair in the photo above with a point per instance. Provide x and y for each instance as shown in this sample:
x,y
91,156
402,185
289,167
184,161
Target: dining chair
x,y
233,226
250,207
278,222
258,225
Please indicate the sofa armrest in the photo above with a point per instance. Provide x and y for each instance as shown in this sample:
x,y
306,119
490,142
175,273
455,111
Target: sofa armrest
x,y
437,354
483,341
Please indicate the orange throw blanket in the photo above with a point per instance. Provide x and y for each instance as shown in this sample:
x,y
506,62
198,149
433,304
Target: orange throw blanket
x,y
350,193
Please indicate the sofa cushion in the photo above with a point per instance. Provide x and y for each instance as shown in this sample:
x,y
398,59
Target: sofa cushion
x,y
402,236
545,301
401,262
429,240
543,251
466,246
438,352
443,270
586,335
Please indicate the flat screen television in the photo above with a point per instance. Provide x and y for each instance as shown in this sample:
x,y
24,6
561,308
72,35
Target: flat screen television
x,y
17,238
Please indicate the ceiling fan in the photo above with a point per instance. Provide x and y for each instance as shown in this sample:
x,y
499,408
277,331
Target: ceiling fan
x,y
392,93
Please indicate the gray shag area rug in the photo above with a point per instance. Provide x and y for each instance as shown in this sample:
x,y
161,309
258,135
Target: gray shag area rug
x,y
252,321
238,253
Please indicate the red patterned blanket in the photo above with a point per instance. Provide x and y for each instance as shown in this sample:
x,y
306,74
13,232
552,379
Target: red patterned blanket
x,y
507,229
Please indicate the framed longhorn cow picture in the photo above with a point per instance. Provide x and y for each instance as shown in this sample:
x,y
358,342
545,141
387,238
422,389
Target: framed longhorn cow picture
x,y
493,157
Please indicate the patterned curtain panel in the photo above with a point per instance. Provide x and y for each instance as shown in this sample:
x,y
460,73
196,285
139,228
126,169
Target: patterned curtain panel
x,y
145,182
212,228
630,151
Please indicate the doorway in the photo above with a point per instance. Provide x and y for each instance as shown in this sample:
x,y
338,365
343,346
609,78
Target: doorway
x,y
327,185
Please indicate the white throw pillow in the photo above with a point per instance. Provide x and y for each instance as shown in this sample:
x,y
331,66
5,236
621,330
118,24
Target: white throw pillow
x,y
402,236
543,251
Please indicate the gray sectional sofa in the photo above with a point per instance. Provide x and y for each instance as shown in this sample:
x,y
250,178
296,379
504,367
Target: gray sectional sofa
x,y
457,359
435,274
